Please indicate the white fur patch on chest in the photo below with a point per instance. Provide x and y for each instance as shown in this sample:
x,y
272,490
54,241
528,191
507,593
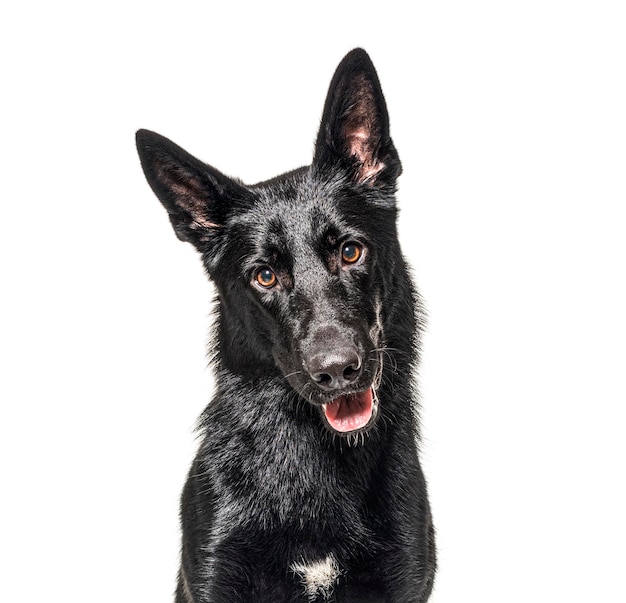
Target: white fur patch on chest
x,y
318,577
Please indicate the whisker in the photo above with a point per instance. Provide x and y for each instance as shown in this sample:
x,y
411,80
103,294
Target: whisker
x,y
293,374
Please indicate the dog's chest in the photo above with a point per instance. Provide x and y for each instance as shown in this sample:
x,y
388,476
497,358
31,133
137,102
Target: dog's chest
x,y
304,542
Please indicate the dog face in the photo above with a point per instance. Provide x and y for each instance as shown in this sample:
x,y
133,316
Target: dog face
x,y
297,260
313,271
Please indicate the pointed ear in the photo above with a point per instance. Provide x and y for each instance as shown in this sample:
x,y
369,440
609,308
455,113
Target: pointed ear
x,y
196,196
355,125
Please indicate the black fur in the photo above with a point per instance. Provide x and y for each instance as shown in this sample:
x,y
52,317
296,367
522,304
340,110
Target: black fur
x,y
300,322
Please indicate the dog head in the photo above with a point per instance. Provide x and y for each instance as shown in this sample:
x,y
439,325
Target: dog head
x,y
305,264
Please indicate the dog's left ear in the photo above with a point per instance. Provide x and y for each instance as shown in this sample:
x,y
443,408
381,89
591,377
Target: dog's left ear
x,y
354,134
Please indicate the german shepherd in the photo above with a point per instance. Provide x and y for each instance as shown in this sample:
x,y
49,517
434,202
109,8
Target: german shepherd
x,y
307,484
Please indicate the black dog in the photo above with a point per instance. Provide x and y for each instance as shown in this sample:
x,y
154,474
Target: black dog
x,y
307,484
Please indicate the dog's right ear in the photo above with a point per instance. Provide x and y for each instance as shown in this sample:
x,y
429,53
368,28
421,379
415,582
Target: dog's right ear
x,y
195,195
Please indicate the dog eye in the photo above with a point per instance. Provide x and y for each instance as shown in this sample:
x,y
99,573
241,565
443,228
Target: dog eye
x,y
351,253
266,277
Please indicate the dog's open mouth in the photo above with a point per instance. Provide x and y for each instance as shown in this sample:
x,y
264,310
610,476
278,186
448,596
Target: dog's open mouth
x,y
350,412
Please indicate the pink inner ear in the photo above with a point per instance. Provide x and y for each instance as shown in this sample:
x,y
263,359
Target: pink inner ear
x,y
190,195
360,146
361,131
194,203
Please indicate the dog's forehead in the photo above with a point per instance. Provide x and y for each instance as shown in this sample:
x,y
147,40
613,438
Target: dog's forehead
x,y
292,212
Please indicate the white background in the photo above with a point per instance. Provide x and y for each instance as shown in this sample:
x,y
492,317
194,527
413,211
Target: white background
x,y
510,121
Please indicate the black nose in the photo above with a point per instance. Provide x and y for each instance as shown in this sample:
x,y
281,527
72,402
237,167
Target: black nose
x,y
336,369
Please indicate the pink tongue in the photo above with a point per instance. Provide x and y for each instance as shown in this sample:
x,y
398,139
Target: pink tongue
x,y
351,412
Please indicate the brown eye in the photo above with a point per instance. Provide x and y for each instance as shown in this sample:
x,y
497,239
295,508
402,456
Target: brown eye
x,y
266,277
351,253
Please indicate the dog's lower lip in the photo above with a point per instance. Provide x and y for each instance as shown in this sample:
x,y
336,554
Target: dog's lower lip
x,y
350,412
